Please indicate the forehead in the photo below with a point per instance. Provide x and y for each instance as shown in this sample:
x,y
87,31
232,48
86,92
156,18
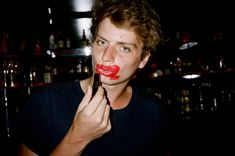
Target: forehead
x,y
112,33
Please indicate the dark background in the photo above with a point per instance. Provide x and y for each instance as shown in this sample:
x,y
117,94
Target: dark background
x,y
201,16
201,19
204,134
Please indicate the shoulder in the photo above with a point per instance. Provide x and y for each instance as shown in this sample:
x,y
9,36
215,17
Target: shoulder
x,y
148,102
57,89
55,94
146,99
145,94
61,86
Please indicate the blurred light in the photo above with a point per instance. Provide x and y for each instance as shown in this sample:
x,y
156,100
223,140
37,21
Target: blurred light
x,y
49,11
51,53
157,73
82,5
50,21
191,76
48,52
82,23
87,51
187,45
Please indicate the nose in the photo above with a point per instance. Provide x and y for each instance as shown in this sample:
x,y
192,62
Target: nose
x,y
108,54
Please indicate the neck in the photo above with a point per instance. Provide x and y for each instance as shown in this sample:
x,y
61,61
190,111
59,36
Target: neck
x,y
118,95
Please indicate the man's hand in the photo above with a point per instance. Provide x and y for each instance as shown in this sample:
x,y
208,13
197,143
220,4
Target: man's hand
x,y
92,117
90,122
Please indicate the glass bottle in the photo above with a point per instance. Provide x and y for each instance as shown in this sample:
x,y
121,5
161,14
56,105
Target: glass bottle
x,y
84,42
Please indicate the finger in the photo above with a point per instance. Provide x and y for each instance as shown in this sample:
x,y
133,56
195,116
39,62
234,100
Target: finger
x,y
106,118
96,100
107,112
101,108
86,99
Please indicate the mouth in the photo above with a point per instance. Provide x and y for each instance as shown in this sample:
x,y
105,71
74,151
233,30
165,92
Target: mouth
x,y
108,71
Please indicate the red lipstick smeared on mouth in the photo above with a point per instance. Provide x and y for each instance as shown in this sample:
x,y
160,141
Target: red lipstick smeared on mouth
x,y
108,71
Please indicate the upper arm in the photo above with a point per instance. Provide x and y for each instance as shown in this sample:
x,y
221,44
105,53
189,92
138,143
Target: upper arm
x,y
25,151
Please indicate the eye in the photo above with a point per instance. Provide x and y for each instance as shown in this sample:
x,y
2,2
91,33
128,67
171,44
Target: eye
x,y
125,49
100,42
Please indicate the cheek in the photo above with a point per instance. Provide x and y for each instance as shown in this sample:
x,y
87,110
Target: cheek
x,y
128,69
95,57
128,62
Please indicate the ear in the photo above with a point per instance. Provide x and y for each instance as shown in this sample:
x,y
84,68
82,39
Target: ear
x,y
144,60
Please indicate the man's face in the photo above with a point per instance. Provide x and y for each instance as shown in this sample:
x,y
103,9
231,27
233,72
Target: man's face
x,y
116,53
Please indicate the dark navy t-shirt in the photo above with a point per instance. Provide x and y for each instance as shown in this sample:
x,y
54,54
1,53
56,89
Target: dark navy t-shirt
x,y
138,129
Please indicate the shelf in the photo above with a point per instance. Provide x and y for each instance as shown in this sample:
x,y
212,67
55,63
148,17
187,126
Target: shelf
x,y
86,51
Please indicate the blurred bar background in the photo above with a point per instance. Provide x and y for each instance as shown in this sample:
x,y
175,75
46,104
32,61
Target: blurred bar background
x,y
43,42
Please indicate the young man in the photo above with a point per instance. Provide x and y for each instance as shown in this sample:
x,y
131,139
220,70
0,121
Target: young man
x,y
120,119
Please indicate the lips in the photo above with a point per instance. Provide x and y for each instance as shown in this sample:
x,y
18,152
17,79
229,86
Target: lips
x,y
108,71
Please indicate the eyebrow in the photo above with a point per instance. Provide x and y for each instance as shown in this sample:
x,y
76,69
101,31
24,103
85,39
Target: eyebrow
x,y
121,43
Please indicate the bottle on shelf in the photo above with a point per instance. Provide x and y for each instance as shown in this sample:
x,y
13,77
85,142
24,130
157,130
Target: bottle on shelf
x,y
52,44
47,74
60,40
84,42
4,42
37,47
35,76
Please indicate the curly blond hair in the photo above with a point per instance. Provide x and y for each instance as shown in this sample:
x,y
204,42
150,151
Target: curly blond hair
x,y
136,15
